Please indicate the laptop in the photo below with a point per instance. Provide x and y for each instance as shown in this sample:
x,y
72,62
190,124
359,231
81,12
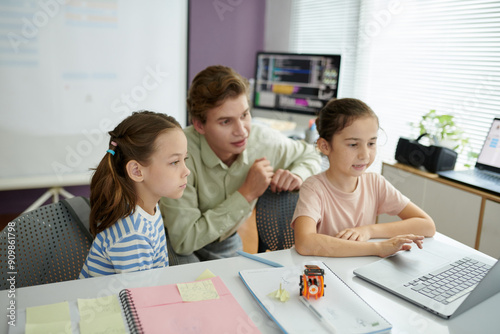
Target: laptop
x,y
428,277
486,174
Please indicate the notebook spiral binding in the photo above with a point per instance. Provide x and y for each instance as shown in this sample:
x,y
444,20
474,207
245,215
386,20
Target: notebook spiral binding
x,y
133,322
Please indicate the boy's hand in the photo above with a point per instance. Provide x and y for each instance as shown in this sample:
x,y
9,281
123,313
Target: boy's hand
x,y
398,243
258,179
284,180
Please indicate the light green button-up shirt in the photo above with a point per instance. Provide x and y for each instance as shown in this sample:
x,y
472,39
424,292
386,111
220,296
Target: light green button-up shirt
x,y
211,207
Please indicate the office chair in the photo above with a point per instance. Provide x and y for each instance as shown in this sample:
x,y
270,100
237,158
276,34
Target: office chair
x,y
175,259
274,212
47,245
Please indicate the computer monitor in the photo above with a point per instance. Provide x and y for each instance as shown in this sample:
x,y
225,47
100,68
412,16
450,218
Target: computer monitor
x,y
294,83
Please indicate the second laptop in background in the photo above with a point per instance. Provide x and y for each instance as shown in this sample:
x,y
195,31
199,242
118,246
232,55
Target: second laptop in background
x,y
486,174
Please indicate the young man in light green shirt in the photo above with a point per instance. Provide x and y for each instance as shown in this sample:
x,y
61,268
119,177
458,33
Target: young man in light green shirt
x,y
232,163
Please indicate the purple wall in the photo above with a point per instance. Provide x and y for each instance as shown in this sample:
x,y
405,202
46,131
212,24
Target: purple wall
x,y
221,32
225,32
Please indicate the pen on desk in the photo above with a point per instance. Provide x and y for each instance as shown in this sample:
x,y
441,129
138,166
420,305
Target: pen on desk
x,y
258,258
321,318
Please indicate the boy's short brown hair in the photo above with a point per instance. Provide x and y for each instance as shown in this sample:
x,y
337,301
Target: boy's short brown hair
x,y
211,88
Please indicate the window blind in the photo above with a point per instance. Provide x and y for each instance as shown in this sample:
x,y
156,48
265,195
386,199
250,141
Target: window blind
x,y
414,56
331,27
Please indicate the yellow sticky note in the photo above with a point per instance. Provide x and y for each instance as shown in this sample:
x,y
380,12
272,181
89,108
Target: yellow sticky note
x,y
100,306
52,318
112,323
63,327
100,315
196,291
205,275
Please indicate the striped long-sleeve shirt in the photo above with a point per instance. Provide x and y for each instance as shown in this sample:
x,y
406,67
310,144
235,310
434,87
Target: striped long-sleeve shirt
x,y
133,243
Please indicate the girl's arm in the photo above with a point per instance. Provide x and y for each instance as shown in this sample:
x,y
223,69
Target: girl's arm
x,y
309,242
413,220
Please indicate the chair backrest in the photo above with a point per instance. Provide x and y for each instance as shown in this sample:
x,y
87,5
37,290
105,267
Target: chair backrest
x,y
175,259
46,245
274,212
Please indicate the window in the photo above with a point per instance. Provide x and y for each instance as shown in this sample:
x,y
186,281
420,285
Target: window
x,y
410,57
327,27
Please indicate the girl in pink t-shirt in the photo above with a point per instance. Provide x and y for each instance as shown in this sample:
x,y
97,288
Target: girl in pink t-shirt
x,y
337,209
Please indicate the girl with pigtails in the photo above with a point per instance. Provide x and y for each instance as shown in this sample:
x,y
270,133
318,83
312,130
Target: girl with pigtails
x,y
145,161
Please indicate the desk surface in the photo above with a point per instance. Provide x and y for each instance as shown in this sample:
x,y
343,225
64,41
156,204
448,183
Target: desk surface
x,y
404,316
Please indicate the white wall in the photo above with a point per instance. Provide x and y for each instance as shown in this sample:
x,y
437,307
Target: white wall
x,y
70,73
277,25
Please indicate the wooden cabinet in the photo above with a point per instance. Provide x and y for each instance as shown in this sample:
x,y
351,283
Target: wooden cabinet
x,y
455,211
463,213
411,185
489,242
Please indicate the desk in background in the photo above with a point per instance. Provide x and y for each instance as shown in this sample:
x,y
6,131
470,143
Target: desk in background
x,y
404,316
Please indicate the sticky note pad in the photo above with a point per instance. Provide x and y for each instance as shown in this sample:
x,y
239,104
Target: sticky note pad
x,y
104,325
205,275
196,291
101,315
52,318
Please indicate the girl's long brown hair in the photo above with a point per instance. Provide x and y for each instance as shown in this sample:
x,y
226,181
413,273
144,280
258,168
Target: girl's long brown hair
x,y
112,192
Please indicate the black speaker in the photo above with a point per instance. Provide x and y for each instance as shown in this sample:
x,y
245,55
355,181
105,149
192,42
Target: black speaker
x,y
433,158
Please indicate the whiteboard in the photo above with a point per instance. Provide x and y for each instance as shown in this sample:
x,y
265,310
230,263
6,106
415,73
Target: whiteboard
x,y
70,71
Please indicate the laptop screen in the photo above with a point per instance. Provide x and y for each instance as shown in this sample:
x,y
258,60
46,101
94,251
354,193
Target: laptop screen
x,y
489,158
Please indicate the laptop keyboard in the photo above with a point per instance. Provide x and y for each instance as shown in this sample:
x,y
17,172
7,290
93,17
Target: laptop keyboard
x,y
451,282
483,175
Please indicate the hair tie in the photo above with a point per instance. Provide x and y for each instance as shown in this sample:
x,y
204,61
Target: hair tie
x,y
115,145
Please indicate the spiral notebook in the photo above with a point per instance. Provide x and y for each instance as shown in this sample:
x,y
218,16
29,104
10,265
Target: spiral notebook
x,y
164,309
340,310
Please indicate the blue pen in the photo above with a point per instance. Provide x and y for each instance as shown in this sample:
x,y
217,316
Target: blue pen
x,y
258,258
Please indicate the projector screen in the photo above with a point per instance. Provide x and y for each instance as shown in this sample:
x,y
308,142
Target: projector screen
x,y
70,71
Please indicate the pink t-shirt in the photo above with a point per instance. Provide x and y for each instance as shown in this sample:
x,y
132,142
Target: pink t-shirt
x,y
335,210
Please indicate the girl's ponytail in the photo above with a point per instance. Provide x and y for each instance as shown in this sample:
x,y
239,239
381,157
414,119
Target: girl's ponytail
x,y
112,192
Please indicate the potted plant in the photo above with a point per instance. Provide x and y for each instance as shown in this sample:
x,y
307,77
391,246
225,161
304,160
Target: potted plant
x,y
443,131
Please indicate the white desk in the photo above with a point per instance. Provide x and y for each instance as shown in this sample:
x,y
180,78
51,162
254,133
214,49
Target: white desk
x,y
404,316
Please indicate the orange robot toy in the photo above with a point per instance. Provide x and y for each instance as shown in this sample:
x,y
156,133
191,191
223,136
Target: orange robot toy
x,y
312,282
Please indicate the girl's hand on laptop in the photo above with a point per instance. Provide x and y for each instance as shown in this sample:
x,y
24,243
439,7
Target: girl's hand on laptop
x,y
398,243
